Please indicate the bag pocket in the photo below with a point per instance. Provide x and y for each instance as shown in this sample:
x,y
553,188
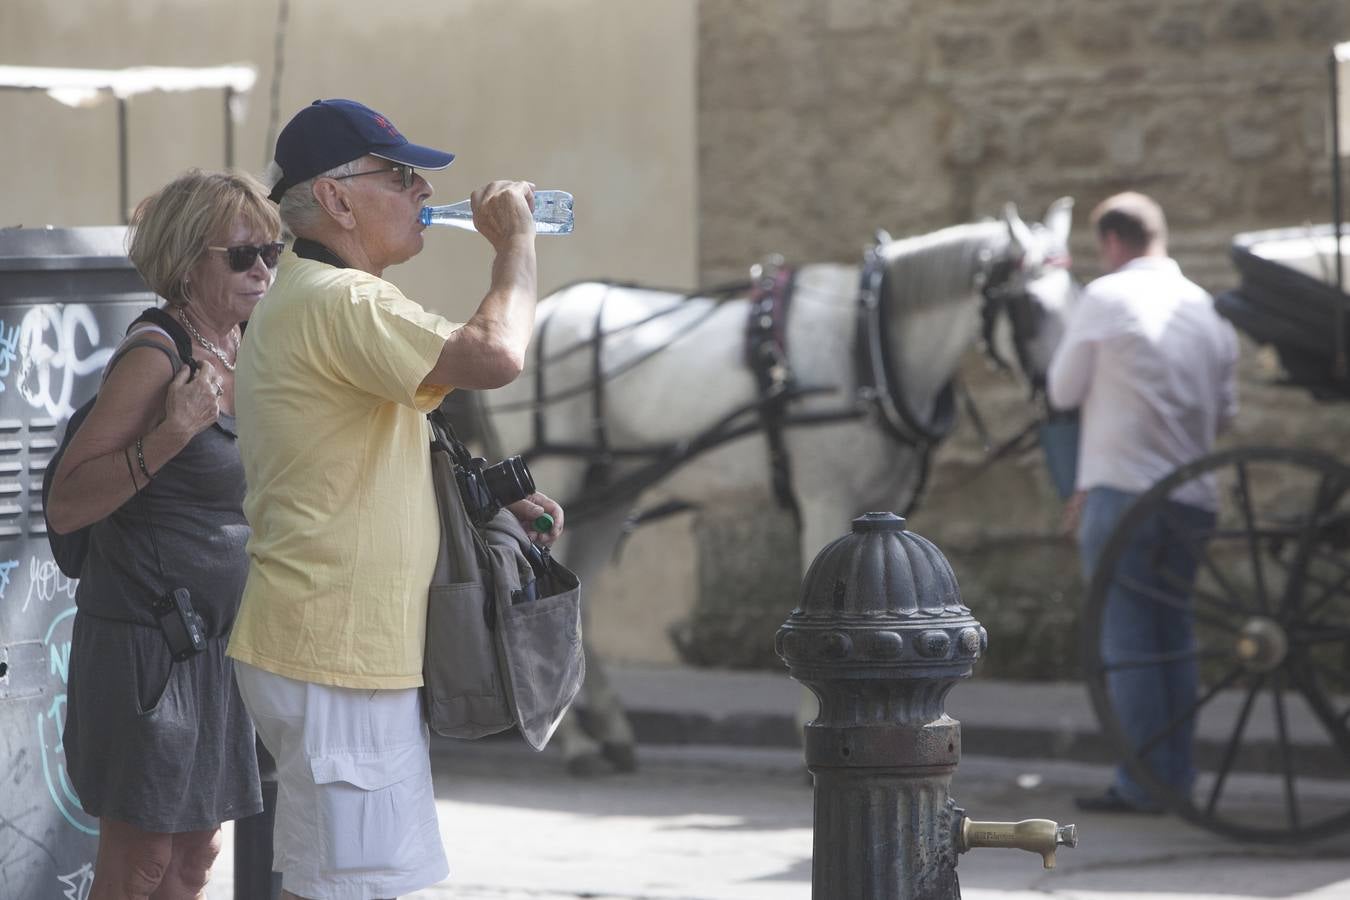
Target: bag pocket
x,y
540,642
463,690
370,805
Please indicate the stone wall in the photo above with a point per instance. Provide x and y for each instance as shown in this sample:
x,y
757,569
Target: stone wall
x,y
823,120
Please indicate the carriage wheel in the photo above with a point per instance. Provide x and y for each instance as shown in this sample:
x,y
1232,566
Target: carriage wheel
x,y
1269,653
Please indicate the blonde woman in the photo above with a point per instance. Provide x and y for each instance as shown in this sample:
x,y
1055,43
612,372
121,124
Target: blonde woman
x,y
161,749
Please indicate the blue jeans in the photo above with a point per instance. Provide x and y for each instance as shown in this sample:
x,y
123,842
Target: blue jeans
x,y
1139,621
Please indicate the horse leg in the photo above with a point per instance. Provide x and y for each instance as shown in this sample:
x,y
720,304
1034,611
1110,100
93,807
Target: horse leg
x,y
602,734
827,516
610,739
607,719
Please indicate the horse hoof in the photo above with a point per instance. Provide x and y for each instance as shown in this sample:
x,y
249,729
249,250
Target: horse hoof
x,y
623,757
586,766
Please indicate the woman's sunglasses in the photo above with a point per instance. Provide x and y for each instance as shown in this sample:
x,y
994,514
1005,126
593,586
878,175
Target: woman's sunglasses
x,y
243,256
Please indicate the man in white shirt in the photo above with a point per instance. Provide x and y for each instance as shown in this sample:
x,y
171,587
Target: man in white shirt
x,y
1152,367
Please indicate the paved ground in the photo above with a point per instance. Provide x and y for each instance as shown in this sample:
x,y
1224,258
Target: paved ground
x,y
730,819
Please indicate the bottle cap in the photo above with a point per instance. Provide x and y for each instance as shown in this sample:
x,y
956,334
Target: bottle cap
x,y
543,524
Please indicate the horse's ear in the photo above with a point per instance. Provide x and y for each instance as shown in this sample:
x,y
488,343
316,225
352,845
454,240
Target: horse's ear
x,y
1018,232
1059,219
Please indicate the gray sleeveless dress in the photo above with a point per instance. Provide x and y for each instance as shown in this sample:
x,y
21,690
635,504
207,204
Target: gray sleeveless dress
x,y
165,746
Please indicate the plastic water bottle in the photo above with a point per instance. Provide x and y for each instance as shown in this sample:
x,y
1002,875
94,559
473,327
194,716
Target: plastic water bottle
x,y
552,213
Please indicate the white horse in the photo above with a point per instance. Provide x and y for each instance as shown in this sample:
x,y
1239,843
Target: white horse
x,y
631,389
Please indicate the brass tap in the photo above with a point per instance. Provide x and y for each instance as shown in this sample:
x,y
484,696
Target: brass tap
x,y
1037,835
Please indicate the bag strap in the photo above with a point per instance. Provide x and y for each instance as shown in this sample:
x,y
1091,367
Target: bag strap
x,y
443,432
183,342
156,316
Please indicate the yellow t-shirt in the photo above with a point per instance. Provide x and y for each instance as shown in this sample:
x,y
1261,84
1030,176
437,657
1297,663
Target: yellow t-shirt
x,y
334,439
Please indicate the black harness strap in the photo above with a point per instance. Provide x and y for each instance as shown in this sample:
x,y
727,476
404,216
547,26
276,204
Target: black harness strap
x,y
767,357
878,383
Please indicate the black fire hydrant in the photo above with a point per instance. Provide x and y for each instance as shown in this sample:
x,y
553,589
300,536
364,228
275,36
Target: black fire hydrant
x,y
880,637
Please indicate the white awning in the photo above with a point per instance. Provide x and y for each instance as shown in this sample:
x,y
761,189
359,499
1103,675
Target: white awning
x,y
85,87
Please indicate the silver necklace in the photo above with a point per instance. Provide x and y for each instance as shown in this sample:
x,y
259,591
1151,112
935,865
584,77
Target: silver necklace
x,y
210,347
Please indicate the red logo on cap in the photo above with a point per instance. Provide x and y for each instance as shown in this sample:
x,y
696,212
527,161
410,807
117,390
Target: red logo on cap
x,y
387,126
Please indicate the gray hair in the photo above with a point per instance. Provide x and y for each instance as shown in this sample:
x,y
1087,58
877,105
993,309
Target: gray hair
x,y
299,210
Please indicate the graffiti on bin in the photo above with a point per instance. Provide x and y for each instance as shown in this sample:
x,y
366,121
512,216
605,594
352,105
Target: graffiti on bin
x,y
78,884
9,344
49,342
46,581
51,724
6,567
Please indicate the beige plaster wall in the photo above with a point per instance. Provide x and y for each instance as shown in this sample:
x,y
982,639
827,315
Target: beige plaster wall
x,y
593,96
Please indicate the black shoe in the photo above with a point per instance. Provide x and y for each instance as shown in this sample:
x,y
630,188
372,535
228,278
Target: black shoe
x,y
1110,801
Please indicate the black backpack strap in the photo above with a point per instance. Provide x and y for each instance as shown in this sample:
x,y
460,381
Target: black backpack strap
x,y
160,318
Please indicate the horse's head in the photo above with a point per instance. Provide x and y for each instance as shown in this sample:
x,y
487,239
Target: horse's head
x,y
1031,283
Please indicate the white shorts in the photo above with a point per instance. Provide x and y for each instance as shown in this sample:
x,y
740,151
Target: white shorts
x,y
356,812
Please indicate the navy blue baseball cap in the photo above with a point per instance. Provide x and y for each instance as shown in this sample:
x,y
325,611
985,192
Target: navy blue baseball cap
x,y
328,133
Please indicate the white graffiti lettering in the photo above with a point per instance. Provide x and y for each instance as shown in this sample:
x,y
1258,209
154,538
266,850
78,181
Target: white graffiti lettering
x,y
43,364
46,582
6,567
78,883
9,342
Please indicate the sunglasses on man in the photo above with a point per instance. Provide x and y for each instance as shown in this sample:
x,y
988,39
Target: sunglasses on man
x,y
241,257
405,174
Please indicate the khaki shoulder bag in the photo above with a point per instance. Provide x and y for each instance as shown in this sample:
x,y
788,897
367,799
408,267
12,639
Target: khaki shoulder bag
x,y
503,641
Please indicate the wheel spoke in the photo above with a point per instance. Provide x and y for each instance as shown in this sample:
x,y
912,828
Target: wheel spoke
x,y
1176,603
1244,495
1199,548
1326,634
1335,723
1335,674
1334,590
1334,559
1230,751
1269,532
1298,570
1147,746
1329,590
1286,755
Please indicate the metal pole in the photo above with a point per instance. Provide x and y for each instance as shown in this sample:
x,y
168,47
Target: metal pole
x,y
1341,366
229,128
123,195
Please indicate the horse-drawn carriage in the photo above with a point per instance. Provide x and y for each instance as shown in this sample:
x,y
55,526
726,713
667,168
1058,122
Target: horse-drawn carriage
x,y
633,388
1271,602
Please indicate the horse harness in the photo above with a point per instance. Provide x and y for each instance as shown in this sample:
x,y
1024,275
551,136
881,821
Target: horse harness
x,y
877,394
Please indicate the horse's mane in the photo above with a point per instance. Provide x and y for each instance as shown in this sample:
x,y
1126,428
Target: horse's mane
x,y
939,267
